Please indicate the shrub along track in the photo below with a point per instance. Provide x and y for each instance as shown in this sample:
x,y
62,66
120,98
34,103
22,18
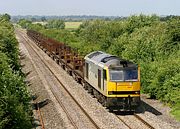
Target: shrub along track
x,y
80,118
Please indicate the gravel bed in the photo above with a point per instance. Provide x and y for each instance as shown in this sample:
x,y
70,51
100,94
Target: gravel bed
x,y
155,121
157,111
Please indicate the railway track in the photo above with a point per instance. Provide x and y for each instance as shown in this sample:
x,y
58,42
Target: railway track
x,y
32,46
136,116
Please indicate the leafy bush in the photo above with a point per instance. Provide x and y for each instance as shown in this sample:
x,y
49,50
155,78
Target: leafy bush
x,y
15,109
24,23
57,24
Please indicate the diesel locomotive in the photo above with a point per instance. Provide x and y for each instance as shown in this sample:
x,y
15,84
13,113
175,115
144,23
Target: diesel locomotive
x,y
113,81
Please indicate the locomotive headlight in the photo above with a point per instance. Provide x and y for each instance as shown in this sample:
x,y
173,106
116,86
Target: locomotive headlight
x,y
110,92
137,92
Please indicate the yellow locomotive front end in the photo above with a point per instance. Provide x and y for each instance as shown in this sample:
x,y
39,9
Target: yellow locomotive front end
x,y
123,87
115,82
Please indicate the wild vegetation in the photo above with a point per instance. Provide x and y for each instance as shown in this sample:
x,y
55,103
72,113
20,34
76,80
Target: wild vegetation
x,y
152,43
15,111
58,24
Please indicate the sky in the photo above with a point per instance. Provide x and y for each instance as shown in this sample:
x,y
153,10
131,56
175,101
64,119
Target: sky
x,y
90,7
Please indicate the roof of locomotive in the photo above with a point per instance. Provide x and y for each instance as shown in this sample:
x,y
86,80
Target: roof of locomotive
x,y
103,59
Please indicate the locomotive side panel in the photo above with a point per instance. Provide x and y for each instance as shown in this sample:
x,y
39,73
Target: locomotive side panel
x,y
95,77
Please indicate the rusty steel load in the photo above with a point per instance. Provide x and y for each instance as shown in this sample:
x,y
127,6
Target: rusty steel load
x,y
63,54
113,81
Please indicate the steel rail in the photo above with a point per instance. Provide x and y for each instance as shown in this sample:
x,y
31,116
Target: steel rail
x,y
123,122
143,121
40,116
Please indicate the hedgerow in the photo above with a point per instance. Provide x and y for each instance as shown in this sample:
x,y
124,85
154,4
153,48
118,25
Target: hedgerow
x,y
15,111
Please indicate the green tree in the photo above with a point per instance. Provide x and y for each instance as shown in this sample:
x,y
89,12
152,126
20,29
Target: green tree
x,y
43,19
24,23
6,17
58,24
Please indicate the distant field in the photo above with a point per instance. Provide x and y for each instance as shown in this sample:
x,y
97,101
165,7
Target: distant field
x,y
42,23
72,25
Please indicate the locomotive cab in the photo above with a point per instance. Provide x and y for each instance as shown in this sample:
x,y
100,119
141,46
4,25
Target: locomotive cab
x,y
123,87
